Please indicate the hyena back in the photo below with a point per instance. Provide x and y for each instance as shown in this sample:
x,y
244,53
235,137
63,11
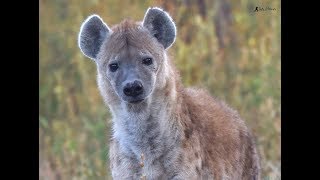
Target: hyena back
x,y
162,130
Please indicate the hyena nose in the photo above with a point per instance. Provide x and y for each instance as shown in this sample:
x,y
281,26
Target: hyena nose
x,y
133,89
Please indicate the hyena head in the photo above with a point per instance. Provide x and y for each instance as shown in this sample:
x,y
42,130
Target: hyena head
x,y
130,56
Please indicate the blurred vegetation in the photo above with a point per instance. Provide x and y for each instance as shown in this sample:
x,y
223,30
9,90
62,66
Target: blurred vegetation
x,y
221,45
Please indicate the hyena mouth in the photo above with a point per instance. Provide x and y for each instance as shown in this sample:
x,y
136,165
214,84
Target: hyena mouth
x,y
136,101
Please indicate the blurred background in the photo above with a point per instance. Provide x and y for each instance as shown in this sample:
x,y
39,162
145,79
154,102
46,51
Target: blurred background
x,y
222,45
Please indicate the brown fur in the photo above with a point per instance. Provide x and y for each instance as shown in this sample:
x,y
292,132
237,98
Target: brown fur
x,y
199,137
224,142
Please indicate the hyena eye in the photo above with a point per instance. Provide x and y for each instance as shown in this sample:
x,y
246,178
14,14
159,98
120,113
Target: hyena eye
x,y
147,61
113,67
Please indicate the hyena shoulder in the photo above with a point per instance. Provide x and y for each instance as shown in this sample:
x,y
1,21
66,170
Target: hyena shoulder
x,y
224,140
213,118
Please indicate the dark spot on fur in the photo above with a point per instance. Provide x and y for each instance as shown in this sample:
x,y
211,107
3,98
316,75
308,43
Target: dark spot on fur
x,y
254,178
184,144
167,93
118,161
151,127
155,160
196,154
197,169
188,133
174,175
151,143
126,41
180,159
204,164
192,120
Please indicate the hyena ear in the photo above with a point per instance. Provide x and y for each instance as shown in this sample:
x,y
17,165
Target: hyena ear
x,y
93,32
160,25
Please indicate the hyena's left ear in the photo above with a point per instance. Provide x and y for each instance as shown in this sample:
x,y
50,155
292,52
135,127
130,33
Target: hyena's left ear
x,y
93,32
160,25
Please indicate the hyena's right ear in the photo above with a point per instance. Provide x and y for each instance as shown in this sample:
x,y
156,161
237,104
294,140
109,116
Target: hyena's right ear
x,y
93,32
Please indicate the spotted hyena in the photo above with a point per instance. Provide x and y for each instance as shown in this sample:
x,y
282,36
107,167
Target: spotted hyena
x,y
162,130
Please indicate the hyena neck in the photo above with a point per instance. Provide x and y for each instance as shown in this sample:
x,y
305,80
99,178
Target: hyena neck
x,y
150,129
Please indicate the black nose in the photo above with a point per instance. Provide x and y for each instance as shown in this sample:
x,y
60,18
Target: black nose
x,y
133,89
